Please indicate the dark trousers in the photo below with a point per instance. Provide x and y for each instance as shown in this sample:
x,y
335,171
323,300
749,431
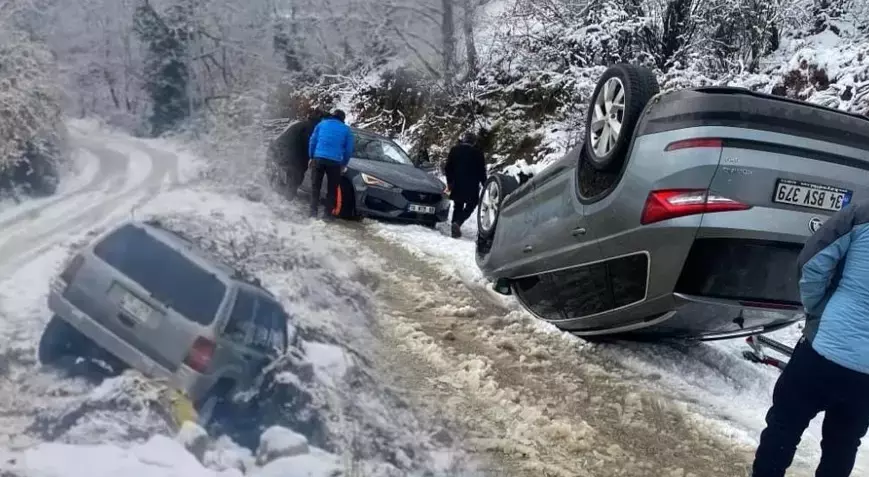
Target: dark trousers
x,y
463,207
296,174
810,384
332,171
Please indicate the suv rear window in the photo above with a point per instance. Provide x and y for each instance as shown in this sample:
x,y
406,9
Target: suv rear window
x,y
165,273
258,321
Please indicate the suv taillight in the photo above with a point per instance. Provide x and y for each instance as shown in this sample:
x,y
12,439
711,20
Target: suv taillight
x,y
669,204
200,354
69,272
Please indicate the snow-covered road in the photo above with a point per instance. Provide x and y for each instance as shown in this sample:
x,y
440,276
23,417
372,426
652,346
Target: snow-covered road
x,y
406,362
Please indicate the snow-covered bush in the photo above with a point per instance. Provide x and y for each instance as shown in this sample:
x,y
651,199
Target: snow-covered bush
x,y
540,61
32,135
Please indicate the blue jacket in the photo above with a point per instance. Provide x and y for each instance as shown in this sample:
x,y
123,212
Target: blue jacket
x,y
834,285
331,140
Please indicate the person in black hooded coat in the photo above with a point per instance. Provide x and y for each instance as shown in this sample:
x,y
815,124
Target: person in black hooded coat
x,y
466,173
297,137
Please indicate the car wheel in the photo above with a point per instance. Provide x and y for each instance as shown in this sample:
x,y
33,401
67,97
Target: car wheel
x,y
345,202
215,406
495,189
59,340
618,101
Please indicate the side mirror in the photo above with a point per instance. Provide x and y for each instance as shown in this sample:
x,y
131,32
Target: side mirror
x,y
427,165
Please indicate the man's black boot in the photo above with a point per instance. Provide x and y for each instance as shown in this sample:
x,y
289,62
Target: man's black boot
x,y
456,230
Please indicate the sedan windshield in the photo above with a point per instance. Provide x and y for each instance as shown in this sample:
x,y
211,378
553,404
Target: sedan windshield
x,y
374,148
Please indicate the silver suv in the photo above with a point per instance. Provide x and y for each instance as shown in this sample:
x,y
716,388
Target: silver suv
x,y
153,300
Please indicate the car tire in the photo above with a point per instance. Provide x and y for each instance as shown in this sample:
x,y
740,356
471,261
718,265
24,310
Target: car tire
x,y
497,187
619,99
59,340
215,405
346,202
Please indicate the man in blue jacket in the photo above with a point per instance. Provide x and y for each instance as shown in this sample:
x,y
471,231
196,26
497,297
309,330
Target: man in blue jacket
x,y
829,370
330,148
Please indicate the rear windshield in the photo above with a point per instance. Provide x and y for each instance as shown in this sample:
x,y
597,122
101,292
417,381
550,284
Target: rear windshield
x,y
166,274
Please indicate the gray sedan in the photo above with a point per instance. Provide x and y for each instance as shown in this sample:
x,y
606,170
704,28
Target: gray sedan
x,y
382,181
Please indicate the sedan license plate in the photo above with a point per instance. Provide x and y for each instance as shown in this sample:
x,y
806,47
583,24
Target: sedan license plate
x,y
813,196
422,209
135,308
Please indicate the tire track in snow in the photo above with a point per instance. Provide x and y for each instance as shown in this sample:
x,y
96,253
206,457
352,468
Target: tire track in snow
x,y
108,173
546,404
27,244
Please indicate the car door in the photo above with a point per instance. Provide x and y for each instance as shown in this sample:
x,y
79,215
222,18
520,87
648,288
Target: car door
x,y
512,231
568,281
561,237
250,332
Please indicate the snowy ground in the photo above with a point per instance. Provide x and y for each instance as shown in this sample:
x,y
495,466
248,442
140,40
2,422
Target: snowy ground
x,y
404,361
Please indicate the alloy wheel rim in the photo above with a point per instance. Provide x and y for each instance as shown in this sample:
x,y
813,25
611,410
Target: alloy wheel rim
x,y
489,206
607,117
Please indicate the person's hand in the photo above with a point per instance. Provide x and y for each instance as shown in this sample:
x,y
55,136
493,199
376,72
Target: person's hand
x,y
343,169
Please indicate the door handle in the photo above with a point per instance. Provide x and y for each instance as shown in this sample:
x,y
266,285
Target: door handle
x,y
126,321
527,249
578,232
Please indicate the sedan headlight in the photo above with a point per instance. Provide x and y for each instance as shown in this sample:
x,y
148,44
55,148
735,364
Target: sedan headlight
x,y
368,179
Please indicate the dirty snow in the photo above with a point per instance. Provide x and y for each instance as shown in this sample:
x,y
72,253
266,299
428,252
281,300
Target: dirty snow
x,y
721,388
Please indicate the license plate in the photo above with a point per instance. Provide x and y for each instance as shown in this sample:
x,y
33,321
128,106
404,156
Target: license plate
x,y
422,209
813,196
135,308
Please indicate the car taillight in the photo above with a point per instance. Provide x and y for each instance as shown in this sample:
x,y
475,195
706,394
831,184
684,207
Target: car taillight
x,y
69,272
200,354
694,143
672,203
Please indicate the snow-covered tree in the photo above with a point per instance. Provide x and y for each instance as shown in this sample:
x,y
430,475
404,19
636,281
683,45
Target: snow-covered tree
x,y
30,111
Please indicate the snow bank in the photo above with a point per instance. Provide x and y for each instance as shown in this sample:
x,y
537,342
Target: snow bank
x,y
159,456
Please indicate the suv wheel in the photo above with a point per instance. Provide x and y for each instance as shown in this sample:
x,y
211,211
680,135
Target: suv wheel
x,y
59,340
618,101
215,404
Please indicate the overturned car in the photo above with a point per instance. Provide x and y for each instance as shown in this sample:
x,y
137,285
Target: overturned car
x,y
681,215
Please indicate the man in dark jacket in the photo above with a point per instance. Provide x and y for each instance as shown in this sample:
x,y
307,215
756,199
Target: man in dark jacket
x,y
466,172
289,154
330,148
829,370
298,136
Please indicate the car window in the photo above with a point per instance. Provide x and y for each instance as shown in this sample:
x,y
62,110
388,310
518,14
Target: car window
x,y
534,292
587,290
169,276
373,148
258,322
